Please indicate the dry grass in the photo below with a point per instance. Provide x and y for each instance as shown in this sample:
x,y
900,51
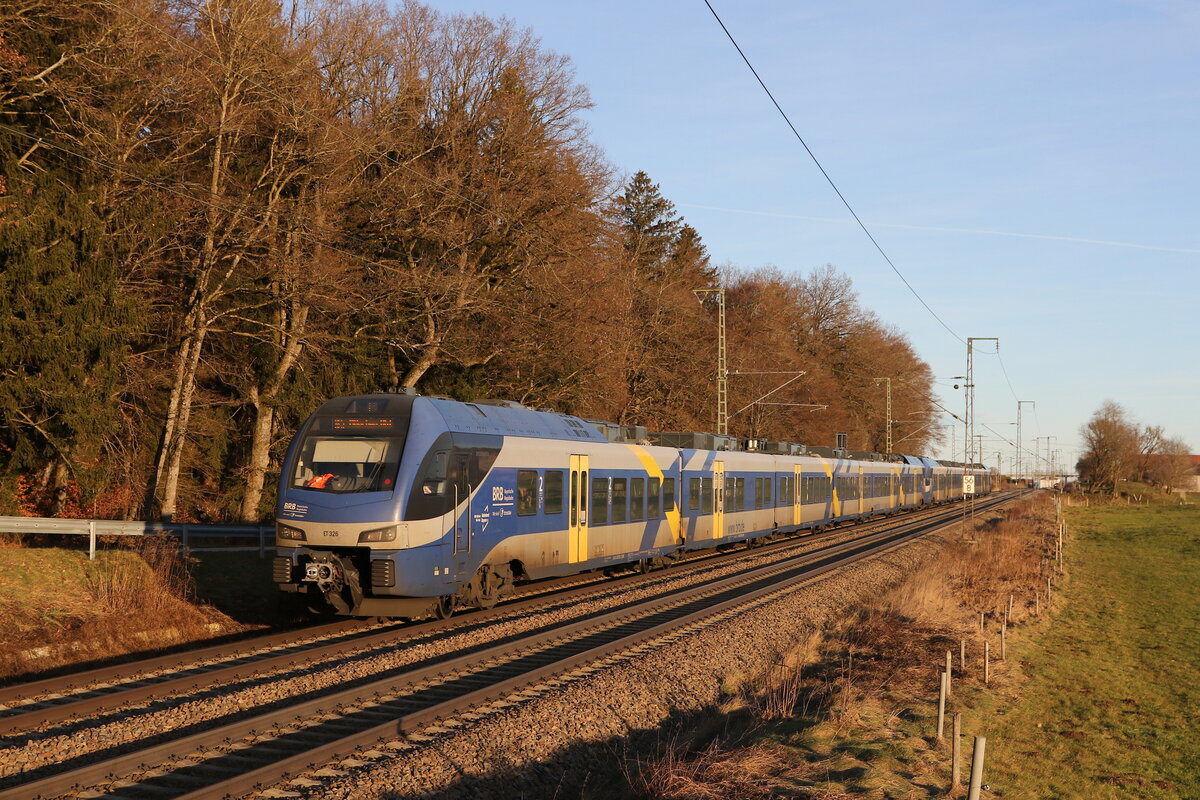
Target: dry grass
x,y
851,702
154,583
713,773
63,609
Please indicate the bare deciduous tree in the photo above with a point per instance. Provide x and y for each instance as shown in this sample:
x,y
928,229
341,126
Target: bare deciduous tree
x,y
1111,445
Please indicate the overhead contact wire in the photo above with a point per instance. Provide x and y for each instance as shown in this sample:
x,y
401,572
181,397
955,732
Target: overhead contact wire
x,y
833,185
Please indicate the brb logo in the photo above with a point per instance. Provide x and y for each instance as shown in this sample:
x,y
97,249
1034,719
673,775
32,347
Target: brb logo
x,y
295,510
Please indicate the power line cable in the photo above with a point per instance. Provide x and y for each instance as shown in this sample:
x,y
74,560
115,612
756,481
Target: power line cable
x,y
1007,380
838,191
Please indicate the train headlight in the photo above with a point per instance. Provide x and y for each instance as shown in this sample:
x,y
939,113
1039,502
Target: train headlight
x,y
288,532
387,534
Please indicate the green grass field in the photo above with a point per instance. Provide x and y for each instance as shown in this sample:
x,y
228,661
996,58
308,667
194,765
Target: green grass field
x,y
1110,707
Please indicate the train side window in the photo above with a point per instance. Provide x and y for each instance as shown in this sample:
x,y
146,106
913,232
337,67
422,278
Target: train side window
x,y
693,493
668,490
553,503
653,492
758,492
730,489
599,501
619,506
575,489
706,495
767,484
637,498
527,481
741,494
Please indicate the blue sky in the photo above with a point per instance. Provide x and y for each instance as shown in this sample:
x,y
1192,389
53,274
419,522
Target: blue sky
x,y
1031,168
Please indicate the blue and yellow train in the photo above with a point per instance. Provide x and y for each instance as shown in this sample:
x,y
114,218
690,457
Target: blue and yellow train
x,y
404,506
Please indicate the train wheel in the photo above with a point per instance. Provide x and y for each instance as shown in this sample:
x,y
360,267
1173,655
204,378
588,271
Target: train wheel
x,y
444,608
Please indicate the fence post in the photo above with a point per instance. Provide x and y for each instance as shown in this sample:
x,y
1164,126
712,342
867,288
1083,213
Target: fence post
x,y
949,674
955,751
262,542
185,537
91,540
987,667
977,768
942,706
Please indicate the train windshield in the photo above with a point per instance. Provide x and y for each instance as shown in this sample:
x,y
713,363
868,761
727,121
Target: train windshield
x,y
347,463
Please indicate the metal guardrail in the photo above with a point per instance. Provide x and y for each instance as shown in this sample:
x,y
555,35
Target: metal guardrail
x,y
187,532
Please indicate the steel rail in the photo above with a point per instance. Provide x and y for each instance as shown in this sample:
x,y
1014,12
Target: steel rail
x,y
797,566
128,669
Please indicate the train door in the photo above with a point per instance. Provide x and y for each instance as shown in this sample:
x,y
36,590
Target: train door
x,y
862,493
462,526
718,499
797,506
577,518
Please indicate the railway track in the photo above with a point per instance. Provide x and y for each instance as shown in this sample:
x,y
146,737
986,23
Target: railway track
x,y
229,757
27,705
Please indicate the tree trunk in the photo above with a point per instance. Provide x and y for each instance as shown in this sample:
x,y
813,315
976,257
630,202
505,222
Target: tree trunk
x,y
171,425
429,357
260,458
172,453
262,398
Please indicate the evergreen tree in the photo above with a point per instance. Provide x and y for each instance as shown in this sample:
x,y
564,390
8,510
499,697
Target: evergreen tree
x,y
64,327
649,225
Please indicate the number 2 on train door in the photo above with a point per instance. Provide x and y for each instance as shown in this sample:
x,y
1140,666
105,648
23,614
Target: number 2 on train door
x,y
718,499
577,520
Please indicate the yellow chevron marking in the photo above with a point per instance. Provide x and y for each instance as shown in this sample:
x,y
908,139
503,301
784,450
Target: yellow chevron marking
x,y
837,503
654,471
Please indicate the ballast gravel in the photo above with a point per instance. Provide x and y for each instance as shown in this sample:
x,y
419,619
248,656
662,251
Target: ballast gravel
x,y
575,740
123,730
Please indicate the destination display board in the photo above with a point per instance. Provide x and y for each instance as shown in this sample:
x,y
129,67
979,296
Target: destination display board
x,y
361,423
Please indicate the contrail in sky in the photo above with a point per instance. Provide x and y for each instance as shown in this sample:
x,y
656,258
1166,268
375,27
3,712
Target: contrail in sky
x,y
950,230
